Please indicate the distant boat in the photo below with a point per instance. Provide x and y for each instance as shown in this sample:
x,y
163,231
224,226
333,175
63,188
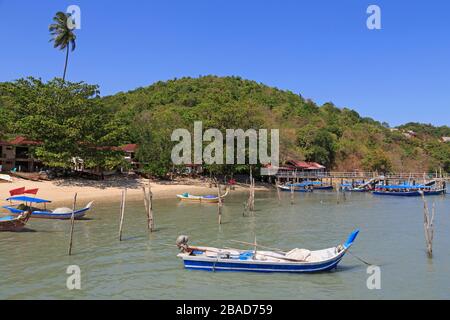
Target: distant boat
x,y
407,190
348,187
206,198
60,213
294,261
14,223
317,185
296,187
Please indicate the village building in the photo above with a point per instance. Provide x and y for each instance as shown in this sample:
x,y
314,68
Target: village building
x,y
130,151
293,167
17,155
304,166
445,139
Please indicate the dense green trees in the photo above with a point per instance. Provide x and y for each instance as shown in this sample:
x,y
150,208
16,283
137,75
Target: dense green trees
x,y
377,161
71,118
338,138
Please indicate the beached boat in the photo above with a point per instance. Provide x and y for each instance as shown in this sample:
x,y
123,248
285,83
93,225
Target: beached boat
x,y
294,261
14,223
408,191
296,187
206,198
60,213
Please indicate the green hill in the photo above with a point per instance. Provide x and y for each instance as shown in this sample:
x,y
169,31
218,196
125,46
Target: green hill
x,y
73,120
339,138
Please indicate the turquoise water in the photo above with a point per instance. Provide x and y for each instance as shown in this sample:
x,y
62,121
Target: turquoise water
x,y
33,264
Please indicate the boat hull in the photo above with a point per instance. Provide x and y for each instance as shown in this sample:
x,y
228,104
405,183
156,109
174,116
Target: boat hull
x,y
287,189
199,199
323,188
12,226
16,224
355,190
409,194
53,216
213,265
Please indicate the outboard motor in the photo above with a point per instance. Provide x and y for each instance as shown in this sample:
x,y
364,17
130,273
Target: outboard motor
x,y
182,243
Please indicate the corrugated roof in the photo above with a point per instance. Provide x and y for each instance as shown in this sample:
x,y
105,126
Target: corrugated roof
x,y
129,147
22,141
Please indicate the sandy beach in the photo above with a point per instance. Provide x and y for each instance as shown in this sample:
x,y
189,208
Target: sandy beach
x,y
62,191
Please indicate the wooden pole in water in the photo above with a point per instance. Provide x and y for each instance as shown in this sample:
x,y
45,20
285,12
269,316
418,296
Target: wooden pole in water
x,y
219,204
145,200
278,191
150,219
292,194
251,190
338,193
72,223
253,196
122,212
428,225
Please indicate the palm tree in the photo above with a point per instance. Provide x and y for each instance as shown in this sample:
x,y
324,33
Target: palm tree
x,y
63,37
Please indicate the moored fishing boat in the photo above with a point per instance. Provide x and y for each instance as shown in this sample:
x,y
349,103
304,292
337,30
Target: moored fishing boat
x,y
294,261
14,223
204,198
317,185
60,213
349,187
296,187
407,190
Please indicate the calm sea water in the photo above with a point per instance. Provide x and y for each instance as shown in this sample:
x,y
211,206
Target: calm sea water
x,y
33,264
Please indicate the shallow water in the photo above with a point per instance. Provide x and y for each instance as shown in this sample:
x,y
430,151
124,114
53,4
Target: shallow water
x,y
33,264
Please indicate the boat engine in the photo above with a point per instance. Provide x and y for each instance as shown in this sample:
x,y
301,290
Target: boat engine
x,y
182,243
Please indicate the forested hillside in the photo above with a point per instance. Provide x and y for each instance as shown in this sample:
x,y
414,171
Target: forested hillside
x,y
63,115
338,138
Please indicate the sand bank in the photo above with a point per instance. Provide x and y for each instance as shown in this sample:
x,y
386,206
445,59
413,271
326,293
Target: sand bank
x,y
62,191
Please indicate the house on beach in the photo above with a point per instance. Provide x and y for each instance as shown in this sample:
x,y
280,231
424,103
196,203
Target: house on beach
x,y
17,154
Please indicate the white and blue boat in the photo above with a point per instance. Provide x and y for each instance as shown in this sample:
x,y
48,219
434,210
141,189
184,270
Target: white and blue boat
x,y
408,190
297,187
59,214
294,261
354,187
317,185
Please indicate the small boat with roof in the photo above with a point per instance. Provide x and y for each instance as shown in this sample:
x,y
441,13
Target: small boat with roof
x,y
407,190
28,203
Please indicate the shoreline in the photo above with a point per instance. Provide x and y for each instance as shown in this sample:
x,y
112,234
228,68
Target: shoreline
x,y
62,191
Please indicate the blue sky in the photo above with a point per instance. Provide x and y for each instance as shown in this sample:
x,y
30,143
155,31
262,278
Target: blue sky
x,y
321,49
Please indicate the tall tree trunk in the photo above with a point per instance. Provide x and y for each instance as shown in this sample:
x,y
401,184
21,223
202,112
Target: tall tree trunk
x,y
65,65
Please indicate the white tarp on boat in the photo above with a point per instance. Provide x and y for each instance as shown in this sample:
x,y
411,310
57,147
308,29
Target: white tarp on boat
x,y
298,254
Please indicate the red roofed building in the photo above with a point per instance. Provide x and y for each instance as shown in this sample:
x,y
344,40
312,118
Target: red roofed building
x,y
304,165
17,154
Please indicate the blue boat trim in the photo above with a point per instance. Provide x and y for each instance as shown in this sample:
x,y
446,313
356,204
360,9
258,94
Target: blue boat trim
x,y
49,214
409,193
